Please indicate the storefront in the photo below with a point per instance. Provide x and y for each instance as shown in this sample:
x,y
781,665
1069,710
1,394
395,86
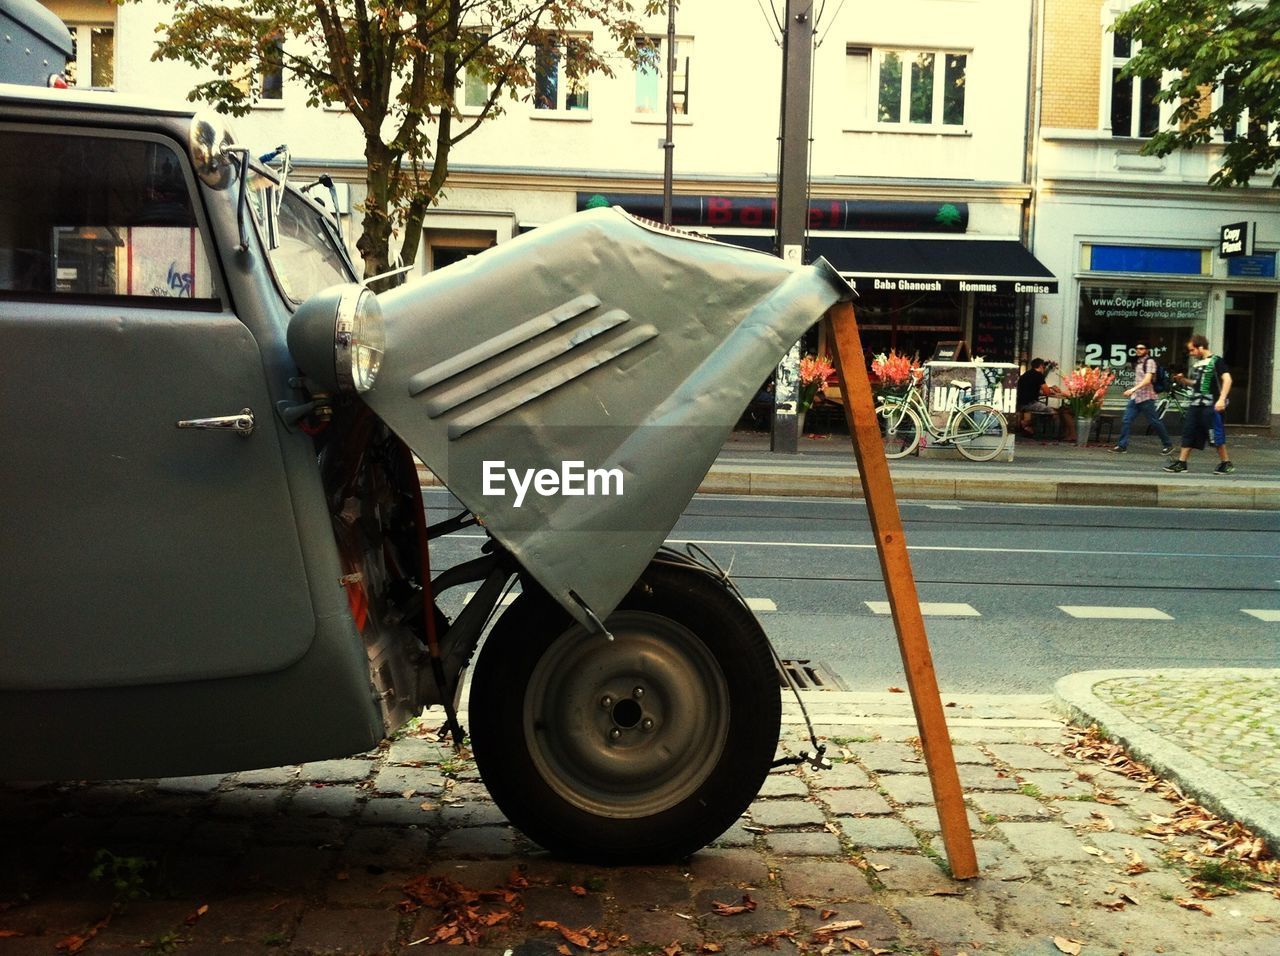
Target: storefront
x,y
921,277
1161,296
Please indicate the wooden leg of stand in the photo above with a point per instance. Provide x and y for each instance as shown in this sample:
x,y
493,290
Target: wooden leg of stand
x,y
904,600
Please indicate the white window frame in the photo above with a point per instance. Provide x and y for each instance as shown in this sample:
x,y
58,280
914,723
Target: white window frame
x,y
82,33
561,109
252,81
863,65
658,76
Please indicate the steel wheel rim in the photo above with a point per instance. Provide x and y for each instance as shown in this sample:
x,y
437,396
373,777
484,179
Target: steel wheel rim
x,y
628,728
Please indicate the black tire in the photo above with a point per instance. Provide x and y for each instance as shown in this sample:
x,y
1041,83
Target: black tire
x,y
593,771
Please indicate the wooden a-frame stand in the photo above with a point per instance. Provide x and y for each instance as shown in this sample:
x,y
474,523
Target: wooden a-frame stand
x,y
904,600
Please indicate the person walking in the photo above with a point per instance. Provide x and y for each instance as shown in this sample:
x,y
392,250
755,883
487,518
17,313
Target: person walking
x,y
1209,379
1142,401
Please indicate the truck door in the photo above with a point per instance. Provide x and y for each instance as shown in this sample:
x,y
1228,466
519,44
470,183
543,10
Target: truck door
x,y
134,551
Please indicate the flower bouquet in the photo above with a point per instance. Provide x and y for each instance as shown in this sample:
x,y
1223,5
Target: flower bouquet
x,y
892,372
815,372
1084,389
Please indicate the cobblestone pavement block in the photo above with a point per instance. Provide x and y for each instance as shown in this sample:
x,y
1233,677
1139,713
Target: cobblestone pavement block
x,y
401,811
910,873
328,801
561,904
282,868
879,833
878,927
821,880
389,848
792,843
478,841
243,802
409,781
267,777
658,886
356,931
348,770
720,867
925,819
907,788
969,754
1043,842
254,920
1026,757
191,785
1097,816
649,928
737,835
1016,806
770,914
1054,784
997,862
985,778
786,813
855,803
888,757
951,922
473,813
417,751
838,777
784,785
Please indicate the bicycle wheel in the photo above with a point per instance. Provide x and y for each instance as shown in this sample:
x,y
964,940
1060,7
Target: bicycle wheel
x,y
899,430
978,431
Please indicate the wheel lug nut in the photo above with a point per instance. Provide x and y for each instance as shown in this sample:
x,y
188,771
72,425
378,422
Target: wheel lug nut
x,y
615,734
606,701
646,724
638,693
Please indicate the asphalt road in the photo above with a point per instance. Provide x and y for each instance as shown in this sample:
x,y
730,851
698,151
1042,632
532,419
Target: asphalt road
x,y
1015,596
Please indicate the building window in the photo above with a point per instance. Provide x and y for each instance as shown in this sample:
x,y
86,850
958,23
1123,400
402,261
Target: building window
x,y
1134,109
268,82
555,87
906,88
475,88
93,55
651,76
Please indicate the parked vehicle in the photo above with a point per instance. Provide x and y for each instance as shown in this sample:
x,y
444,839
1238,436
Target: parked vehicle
x,y
34,44
215,546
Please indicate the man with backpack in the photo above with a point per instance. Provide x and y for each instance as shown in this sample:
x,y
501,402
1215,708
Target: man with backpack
x,y
1210,383
1142,401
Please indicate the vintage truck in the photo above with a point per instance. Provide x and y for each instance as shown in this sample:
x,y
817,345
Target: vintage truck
x,y
214,543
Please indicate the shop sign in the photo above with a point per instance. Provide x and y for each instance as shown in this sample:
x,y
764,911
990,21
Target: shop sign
x,y
928,284
751,212
1252,267
1236,239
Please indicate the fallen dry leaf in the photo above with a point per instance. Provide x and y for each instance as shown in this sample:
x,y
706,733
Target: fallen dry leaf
x,y
1092,850
1259,918
896,690
747,905
1129,898
1187,904
10,933
672,949
77,941
710,948
1069,946
564,950
1114,905
194,917
827,914
828,930
578,890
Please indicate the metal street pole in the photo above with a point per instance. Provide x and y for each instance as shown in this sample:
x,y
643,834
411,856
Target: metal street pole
x,y
793,198
668,144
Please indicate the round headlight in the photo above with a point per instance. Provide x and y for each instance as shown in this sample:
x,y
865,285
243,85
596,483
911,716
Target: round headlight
x,y
359,339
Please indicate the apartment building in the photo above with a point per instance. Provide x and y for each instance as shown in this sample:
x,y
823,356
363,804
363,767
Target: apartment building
x,y
920,146
1133,239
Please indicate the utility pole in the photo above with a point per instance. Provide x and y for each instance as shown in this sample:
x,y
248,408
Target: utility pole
x,y
668,144
793,198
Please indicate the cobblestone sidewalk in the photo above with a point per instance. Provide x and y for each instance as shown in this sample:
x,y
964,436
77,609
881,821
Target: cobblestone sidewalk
x,y
316,859
1231,721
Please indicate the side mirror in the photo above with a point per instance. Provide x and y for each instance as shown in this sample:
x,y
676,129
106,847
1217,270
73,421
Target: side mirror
x,y
210,144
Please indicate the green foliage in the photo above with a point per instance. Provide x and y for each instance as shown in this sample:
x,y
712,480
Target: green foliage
x,y
1030,790
396,67
126,875
1199,47
1225,874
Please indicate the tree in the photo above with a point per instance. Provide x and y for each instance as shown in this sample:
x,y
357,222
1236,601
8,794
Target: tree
x,y
397,68
1200,47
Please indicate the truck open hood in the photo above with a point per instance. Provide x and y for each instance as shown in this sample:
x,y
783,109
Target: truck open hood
x,y
609,353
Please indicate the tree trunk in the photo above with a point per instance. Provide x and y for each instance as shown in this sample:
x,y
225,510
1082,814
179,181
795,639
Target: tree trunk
x,y
374,244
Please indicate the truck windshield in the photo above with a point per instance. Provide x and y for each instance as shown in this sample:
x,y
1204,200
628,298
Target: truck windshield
x,y
307,257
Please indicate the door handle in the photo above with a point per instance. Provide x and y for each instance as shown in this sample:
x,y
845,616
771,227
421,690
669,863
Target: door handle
x,y
242,424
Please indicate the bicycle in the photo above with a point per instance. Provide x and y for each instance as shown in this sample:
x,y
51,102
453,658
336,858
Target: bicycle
x,y
976,429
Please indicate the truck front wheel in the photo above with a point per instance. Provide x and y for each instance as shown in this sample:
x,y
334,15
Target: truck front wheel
x,y
644,748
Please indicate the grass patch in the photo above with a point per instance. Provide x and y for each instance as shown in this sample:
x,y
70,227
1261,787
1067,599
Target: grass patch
x,y
1030,790
1224,874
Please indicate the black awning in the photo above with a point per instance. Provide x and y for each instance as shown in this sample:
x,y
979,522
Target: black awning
x,y
925,265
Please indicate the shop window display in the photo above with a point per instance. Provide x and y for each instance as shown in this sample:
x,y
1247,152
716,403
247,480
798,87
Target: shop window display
x,y
1113,319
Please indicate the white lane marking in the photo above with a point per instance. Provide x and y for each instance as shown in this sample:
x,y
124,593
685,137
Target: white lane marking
x,y
944,507
1262,614
839,546
506,598
1098,612
930,609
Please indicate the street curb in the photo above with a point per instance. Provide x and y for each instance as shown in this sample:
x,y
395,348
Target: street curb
x,y
1211,787
843,483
